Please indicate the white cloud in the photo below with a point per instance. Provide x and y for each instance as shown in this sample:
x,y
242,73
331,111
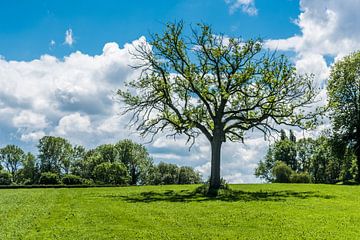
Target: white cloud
x,y
246,6
328,29
32,136
69,38
52,44
73,123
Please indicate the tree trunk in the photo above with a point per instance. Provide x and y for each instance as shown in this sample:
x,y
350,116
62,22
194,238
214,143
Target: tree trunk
x,y
357,155
215,165
133,176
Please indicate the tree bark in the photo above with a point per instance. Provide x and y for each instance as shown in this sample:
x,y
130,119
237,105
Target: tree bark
x,y
215,165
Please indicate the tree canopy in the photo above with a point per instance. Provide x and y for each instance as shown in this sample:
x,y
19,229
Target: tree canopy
x,y
344,102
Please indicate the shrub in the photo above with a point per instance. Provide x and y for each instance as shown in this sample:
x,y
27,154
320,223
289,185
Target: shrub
x,y
300,177
5,178
70,179
87,181
281,172
49,178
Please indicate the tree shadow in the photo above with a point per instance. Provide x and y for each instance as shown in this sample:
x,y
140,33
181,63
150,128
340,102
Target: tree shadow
x,y
228,196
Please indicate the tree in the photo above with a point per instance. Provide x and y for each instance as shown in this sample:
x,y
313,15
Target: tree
x,y
344,102
216,86
136,158
29,171
285,151
55,154
281,172
12,156
187,175
111,173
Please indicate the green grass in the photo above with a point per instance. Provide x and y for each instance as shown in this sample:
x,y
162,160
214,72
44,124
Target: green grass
x,y
268,211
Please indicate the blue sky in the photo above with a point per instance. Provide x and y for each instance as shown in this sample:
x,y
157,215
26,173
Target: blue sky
x,y
28,27
62,61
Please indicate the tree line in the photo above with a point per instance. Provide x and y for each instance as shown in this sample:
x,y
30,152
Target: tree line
x,y
59,162
325,159
335,155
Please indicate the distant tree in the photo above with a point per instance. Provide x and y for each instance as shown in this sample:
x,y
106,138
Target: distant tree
x,y
220,87
322,159
12,156
5,178
344,102
281,172
77,163
305,148
49,178
167,173
108,152
292,137
70,179
264,168
285,151
29,172
136,158
111,173
55,154
187,175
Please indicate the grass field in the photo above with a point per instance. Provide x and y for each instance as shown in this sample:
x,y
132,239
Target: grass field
x,y
267,211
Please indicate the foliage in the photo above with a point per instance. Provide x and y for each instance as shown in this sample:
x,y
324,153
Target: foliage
x,y
167,173
220,87
12,156
187,175
137,160
281,172
303,177
55,154
5,178
49,178
344,101
70,179
325,159
29,173
111,173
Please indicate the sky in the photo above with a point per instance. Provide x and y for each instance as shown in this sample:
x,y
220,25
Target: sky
x,y
61,63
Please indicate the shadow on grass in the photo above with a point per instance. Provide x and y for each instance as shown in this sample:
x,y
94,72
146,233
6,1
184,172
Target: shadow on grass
x,y
228,196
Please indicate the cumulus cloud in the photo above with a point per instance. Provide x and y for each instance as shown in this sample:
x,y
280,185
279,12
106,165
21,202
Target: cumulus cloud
x,y
65,96
246,6
329,29
69,38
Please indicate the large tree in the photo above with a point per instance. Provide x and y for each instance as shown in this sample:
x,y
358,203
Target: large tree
x,y
344,102
55,154
136,158
12,157
203,83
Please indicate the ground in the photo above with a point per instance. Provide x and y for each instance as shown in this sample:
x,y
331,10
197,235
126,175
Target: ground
x,y
259,211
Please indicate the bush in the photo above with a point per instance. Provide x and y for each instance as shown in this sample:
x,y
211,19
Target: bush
x,y
87,182
300,177
70,179
5,178
281,172
49,178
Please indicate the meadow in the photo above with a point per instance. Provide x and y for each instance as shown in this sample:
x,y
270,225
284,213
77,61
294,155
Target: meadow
x,y
250,211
